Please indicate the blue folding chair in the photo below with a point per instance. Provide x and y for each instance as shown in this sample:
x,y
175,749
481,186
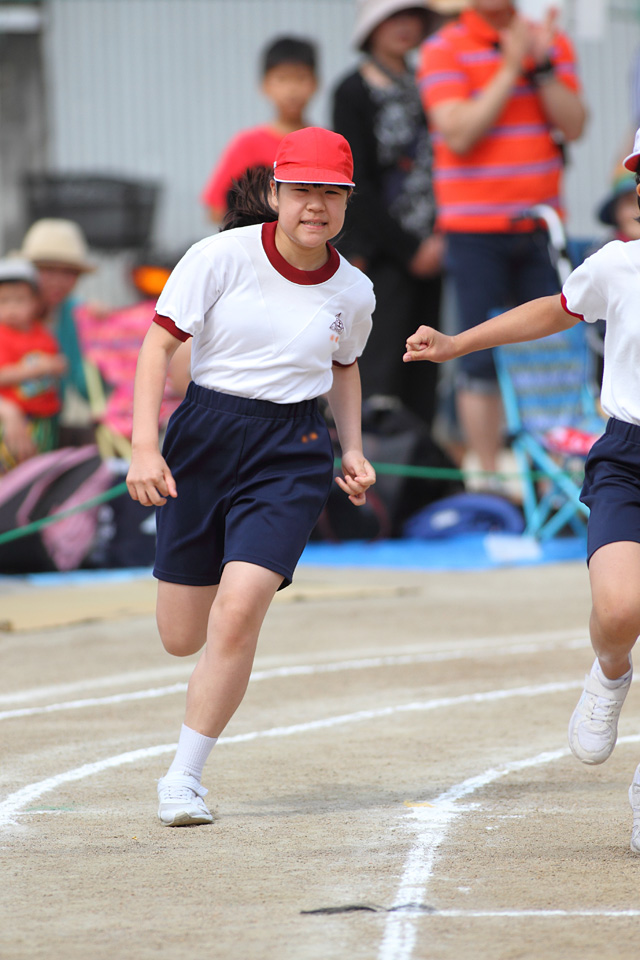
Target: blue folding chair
x,y
544,385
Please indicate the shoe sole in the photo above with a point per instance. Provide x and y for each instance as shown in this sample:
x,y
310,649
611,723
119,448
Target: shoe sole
x,y
184,819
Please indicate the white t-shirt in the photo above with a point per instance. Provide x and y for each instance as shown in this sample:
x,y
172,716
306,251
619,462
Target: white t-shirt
x,y
261,328
607,287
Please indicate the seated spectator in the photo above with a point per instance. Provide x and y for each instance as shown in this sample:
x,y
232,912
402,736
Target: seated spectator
x,y
31,367
620,208
58,250
289,81
111,343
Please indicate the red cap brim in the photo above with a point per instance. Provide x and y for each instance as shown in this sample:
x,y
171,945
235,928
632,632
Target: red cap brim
x,y
299,174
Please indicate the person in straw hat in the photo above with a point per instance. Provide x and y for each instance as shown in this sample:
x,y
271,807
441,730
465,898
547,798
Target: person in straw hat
x,y
390,222
58,250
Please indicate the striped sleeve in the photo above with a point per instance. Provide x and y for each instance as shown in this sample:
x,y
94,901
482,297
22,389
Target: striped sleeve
x,y
564,62
439,75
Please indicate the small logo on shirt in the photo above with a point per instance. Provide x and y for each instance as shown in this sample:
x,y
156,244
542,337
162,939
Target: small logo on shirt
x,y
337,324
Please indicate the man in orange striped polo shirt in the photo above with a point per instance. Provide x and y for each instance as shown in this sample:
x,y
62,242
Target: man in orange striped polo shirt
x,y
502,95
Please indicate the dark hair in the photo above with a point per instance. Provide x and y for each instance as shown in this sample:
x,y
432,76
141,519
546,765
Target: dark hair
x,y
289,50
248,199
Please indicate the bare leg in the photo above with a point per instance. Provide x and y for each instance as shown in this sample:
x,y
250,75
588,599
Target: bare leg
x,y
481,419
221,675
614,572
182,614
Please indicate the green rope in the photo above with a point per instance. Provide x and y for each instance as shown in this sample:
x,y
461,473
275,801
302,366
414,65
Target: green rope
x,y
47,521
390,469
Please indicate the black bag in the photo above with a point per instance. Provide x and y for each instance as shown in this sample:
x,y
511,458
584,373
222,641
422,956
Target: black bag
x,y
41,487
126,531
390,434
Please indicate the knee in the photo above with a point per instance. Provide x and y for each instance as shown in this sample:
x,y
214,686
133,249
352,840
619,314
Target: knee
x,y
617,617
178,641
233,623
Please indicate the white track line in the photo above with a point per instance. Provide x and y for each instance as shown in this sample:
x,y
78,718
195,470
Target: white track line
x,y
531,914
433,822
283,672
16,802
462,647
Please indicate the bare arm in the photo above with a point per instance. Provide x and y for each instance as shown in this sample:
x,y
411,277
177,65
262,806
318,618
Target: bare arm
x,y
33,368
15,431
180,368
563,107
463,123
345,400
530,321
149,479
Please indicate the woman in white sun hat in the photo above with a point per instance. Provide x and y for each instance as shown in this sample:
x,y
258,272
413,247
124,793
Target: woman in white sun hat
x,y
390,222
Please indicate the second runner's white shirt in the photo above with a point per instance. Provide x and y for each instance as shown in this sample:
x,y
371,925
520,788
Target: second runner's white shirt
x,y
607,287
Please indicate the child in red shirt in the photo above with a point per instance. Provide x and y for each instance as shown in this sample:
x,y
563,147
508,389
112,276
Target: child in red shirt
x,y
30,367
289,81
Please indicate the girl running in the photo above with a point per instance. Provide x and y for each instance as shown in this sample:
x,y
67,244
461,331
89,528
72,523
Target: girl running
x,y
605,286
278,318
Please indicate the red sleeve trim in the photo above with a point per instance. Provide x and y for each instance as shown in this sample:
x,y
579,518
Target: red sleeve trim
x,y
563,301
336,364
169,325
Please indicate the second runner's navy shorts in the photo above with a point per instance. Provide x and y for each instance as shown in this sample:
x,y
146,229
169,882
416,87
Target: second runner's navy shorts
x,y
611,487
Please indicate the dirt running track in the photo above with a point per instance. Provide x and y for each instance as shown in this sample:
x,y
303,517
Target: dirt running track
x,y
401,750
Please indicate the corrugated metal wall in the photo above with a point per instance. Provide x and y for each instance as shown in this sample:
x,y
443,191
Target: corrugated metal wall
x,y
155,88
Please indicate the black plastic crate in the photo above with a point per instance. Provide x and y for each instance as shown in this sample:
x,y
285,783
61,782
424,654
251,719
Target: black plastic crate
x,y
114,214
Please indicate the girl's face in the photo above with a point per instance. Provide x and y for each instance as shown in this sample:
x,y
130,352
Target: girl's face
x,y
397,35
309,214
56,282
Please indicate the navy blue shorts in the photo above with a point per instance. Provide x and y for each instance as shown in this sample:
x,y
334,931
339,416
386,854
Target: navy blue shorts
x,y
252,478
611,487
492,272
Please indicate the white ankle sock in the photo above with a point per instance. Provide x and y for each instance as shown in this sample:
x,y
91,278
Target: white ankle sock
x,y
193,750
606,682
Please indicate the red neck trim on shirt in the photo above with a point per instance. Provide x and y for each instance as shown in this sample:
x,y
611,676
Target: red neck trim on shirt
x,y
306,277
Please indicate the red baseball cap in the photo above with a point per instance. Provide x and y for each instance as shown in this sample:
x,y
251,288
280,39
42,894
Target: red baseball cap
x,y
631,162
314,155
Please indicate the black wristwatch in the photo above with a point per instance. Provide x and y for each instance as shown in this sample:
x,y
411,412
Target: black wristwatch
x,y
541,73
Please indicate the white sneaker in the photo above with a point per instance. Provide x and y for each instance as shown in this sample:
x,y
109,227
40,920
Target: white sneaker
x,y
181,803
634,800
593,728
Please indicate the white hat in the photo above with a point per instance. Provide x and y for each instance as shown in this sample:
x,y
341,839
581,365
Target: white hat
x,y
631,162
18,270
371,13
57,241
